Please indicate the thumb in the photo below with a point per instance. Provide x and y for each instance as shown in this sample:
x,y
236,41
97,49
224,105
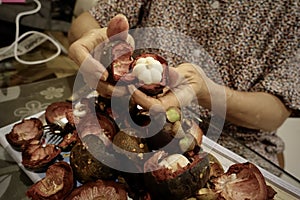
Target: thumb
x,y
117,28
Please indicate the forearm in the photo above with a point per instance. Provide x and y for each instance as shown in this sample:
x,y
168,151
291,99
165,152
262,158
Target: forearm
x,y
257,110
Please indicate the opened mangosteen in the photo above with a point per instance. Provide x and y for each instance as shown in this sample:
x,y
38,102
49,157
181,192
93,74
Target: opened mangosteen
x,y
24,131
152,73
99,124
90,160
99,189
242,181
57,183
37,155
175,176
148,71
56,113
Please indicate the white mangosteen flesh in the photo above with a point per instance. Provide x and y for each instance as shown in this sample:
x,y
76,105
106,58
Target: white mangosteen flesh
x,y
148,70
79,110
174,162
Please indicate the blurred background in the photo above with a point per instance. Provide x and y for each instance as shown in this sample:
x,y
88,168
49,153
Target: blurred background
x,y
54,19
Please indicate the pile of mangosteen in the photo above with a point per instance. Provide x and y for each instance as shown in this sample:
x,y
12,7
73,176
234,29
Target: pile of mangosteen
x,y
154,154
143,155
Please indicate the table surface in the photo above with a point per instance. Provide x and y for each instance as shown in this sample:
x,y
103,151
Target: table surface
x,y
23,101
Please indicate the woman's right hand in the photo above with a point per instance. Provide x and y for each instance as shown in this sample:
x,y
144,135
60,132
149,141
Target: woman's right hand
x,y
87,49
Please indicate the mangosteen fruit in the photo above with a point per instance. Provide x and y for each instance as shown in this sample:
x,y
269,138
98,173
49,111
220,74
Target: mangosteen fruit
x,y
90,160
56,113
37,156
184,133
148,71
161,138
128,143
99,189
175,176
243,181
57,183
116,57
24,131
152,73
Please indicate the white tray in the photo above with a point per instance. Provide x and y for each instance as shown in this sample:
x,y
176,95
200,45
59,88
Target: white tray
x,y
285,190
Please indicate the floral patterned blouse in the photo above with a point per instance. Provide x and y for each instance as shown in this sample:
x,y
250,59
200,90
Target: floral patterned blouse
x,y
245,45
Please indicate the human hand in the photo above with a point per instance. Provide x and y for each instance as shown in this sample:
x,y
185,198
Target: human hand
x,y
86,51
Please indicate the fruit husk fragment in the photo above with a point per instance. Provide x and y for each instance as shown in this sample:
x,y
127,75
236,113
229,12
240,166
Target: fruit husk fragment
x,y
116,57
57,183
181,184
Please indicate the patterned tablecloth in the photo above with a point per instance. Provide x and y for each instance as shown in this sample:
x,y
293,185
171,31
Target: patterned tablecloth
x,y
17,103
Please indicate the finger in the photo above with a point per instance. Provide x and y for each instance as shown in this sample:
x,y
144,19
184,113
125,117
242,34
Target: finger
x,y
98,50
174,77
107,90
80,49
130,40
141,98
92,71
180,96
117,28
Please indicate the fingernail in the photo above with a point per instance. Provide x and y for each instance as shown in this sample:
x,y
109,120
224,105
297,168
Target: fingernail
x,y
131,88
103,76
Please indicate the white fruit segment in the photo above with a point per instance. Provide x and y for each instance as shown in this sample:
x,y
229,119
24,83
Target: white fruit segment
x,y
174,161
148,70
79,110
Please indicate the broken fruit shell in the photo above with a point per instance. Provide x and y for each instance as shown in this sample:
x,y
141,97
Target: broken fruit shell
x,y
116,57
216,168
37,156
242,181
207,194
163,183
24,131
99,189
57,183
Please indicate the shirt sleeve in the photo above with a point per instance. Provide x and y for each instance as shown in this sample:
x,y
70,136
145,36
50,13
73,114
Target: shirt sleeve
x,y
104,10
284,82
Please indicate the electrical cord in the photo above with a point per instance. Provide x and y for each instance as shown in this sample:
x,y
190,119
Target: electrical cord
x,y
18,38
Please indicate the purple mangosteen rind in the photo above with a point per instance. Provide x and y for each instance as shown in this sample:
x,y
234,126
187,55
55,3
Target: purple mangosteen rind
x,y
117,58
182,185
